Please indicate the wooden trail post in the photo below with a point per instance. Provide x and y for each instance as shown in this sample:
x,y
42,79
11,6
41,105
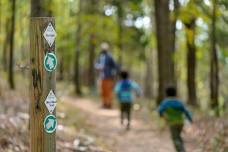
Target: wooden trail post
x,y
42,85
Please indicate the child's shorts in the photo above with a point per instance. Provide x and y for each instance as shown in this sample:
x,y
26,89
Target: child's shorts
x,y
125,107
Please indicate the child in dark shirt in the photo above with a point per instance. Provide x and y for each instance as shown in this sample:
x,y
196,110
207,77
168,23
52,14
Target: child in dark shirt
x,y
172,109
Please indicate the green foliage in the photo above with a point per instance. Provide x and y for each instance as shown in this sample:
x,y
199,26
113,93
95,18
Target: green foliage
x,y
104,26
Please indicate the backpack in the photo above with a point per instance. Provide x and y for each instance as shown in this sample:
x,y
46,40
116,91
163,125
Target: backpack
x,y
125,91
126,85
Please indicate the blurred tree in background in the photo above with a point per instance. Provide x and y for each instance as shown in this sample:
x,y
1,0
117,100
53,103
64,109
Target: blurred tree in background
x,y
175,42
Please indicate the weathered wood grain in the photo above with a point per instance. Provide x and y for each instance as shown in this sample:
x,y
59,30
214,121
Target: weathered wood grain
x,y
41,84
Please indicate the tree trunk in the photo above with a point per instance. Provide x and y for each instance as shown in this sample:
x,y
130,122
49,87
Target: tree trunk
x,y
214,68
38,8
173,24
173,41
0,16
191,61
6,46
11,49
149,92
77,83
0,35
92,9
163,33
1,24
91,71
61,69
120,30
0,38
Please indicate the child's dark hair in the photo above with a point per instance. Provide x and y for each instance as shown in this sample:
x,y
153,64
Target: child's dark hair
x,y
171,91
124,75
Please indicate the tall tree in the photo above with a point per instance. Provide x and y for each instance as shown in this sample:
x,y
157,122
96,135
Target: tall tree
x,y
77,51
11,47
0,22
174,17
0,34
92,10
164,43
149,79
120,15
40,8
189,15
191,60
91,71
214,68
6,44
61,69
149,55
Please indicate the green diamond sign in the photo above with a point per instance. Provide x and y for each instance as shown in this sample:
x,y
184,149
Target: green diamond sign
x,y
50,124
50,62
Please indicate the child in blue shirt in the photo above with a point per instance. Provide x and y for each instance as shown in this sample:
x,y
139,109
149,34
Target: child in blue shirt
x,y
124,92
172,109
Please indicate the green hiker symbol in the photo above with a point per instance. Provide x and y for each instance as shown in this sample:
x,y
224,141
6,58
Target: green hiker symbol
x,y
50,123
50,62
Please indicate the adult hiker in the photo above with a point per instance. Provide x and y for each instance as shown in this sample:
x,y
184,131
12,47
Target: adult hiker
x,y
107,68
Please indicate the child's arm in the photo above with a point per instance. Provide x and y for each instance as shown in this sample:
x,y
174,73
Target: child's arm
x,y
162,108
136,87
117,88
187,114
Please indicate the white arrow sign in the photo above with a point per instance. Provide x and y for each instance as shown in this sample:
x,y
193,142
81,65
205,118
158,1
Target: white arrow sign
x,y
50,34
50,124
50,101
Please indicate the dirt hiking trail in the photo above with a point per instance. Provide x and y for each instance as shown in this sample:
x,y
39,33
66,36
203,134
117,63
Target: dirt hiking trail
x,y
105,124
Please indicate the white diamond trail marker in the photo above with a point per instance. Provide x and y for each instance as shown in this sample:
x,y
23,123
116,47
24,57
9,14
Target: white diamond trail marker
x,y
50,34
50,101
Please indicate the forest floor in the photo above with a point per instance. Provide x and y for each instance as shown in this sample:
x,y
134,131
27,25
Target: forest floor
x,y
83,126
146,134
105,124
